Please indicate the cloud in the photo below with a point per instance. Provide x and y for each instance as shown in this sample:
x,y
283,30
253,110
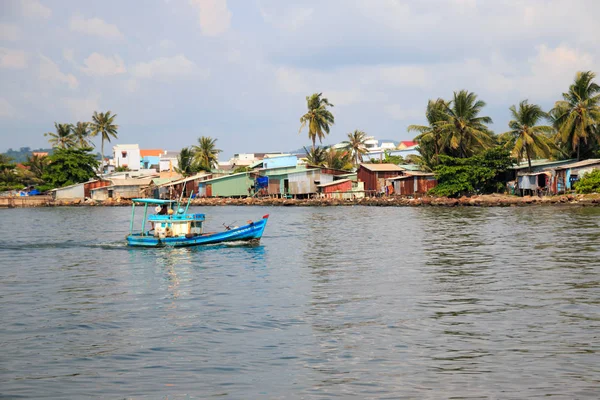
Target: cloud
x,y
400,112
35,9
6,109
13,59
49,72
214,16
168,68
81,108
166,44
9,32
290,18
98,65
94,27
69,55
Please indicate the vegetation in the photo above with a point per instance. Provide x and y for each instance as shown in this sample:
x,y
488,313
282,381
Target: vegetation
x,y
81,134
70,166
526,138
316,155
431,134
103,124
356,144
389,159
481,173
318,118
63,137
577,116
589,182
339,159
185,162
206,154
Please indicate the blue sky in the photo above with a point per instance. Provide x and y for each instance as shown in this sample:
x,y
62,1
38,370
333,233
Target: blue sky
x,y
239,70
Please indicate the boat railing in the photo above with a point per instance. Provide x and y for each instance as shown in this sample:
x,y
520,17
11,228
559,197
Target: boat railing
x,y
176,217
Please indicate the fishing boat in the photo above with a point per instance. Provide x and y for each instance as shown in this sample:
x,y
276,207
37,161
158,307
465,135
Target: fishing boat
x,y
173,226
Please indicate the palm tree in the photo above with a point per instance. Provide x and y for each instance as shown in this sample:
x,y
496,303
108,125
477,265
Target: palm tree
x,y
104,124
577,116
206,153
527,138
316,155
37,165
436,115
63,138
318,118
464,130
185,162
81,134
338,158
356,144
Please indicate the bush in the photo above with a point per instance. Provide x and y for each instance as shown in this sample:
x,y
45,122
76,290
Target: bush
x,y
589,183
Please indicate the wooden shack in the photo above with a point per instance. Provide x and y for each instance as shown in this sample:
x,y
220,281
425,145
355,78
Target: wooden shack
x,y
374,176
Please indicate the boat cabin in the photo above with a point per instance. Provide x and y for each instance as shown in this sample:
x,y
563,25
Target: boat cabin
x,y
167,219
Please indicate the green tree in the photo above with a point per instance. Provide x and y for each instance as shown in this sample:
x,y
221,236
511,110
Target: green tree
x,y
526,137
481,173
70,166
37,165
81,134
103,124
589,182
318,118
577,116
431,134
464,131
338,159
63,138
356,144
8,177
206,153
185,162
316,155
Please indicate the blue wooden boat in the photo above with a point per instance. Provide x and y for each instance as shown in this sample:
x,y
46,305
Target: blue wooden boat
x,y
173,226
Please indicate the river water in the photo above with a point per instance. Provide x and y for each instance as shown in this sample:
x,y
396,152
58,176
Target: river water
x,y
346,302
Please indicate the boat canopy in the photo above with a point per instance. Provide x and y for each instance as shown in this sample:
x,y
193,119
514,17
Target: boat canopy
x,y
154,201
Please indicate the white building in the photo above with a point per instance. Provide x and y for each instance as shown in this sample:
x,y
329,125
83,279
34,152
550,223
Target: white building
x,y
126,155
169,161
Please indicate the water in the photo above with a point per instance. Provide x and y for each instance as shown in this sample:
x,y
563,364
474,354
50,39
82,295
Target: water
x,y
349,302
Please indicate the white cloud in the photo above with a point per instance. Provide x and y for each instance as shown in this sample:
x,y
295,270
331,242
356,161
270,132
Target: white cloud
x,y
291,18
81,108
98,65
169,68
49,72
214,16
35,9
6,109
94,27
13,59
9,32
400,112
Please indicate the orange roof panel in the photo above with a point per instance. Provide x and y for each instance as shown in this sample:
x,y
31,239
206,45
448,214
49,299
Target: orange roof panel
x,y
151,153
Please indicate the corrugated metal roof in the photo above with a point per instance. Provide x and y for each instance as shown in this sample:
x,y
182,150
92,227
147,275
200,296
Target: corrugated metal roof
x,y
382,167
131,182
579,164
189,178
540,163
150,152
334,183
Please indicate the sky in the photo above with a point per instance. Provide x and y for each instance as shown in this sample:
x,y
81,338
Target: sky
x,y
240,70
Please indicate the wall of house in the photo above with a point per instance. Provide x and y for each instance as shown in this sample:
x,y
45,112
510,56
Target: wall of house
x,y
129,157
280,162
341,187
73,192
233,186
149,161
88,186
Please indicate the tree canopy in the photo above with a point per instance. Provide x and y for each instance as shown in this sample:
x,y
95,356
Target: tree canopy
x,y
70,166
318,118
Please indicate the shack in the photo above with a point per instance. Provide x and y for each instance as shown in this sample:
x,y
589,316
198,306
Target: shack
x,y
234,185
374,176
564,176
413,183
78,191
121,188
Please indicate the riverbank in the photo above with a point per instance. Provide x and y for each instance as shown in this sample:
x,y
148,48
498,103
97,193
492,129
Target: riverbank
x,y
494,200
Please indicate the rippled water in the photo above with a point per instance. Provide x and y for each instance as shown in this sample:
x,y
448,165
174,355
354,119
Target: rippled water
x,y
349,302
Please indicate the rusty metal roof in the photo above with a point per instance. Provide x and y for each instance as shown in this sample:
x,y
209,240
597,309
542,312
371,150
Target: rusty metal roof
x,y
580,164
382,167
334,183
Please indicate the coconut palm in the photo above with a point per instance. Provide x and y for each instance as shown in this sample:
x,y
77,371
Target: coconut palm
x,y
185,162
577,116
37,165
463,130
338,158
206,153
316,155
81,134
318,118
356,144
104,124
526,137
436,115
63,138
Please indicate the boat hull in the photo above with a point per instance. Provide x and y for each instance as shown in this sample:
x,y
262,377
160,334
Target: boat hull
x,y
248,233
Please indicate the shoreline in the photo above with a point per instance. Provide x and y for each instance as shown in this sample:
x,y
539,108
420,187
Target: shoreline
x,y
493,200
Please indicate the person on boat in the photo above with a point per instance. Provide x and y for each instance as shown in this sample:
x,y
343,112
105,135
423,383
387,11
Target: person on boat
x,y
163,210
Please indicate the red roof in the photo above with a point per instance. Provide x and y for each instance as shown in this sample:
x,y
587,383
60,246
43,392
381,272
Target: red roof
x,y
151,153
409,143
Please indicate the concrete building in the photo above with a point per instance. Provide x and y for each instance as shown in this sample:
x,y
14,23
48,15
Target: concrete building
x,y
127,155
